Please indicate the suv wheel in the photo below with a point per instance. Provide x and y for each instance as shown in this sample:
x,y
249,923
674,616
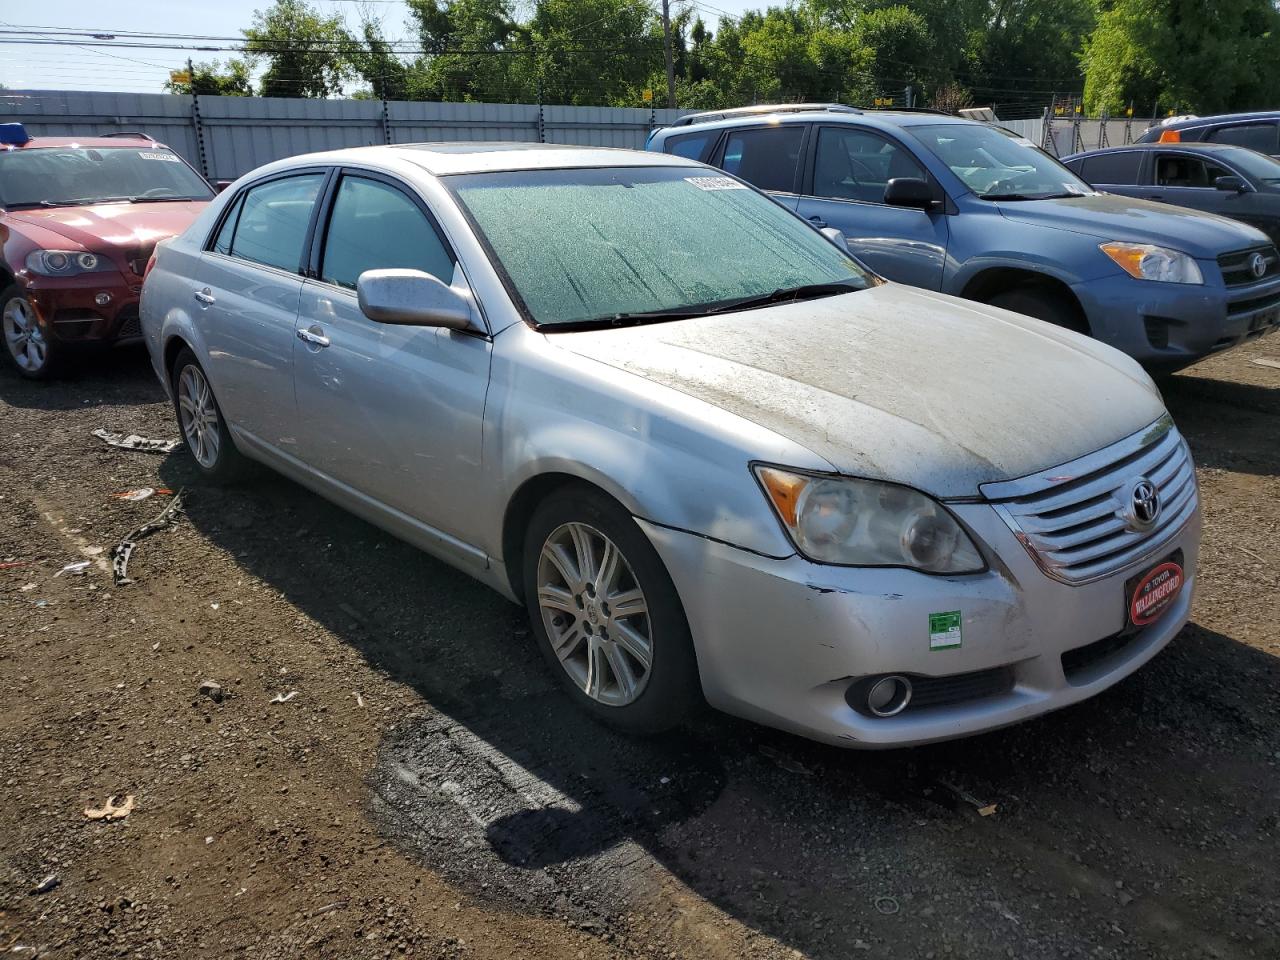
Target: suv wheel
x,y
1042,304
606,614
31,351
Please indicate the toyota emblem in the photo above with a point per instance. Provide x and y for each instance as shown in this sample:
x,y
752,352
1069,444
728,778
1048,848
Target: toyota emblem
x,y
1257,264
1144,504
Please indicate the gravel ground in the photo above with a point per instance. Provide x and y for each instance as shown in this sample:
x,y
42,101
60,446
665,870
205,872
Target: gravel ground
x,y
427,792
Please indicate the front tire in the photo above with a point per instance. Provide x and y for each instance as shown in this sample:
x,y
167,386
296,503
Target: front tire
x,y
606,615
1040,303
32,351
203,427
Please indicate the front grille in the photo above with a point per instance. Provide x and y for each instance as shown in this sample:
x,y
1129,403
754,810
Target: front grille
x,y
1074,519
130,324
958,688
1082,659
1236,269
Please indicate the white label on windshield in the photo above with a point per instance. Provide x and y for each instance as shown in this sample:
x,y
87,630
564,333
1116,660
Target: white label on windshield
x,y
715,183
171,157
1072,188
1024,141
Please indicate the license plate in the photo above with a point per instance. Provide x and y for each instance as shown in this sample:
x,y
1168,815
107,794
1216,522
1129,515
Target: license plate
x,y
1150,594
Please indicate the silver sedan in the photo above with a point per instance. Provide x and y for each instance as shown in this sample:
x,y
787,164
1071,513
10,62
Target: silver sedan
x,y
712,454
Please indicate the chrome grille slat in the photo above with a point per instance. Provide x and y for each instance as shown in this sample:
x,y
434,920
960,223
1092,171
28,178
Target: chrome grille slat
x,y
1073,519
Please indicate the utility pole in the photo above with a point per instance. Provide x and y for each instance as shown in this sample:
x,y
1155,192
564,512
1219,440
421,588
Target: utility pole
x,y
666,45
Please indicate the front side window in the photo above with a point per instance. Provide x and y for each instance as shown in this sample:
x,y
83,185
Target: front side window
x,y
271,226
996,166
1256,136
607,244
1118,168
767,156
1174,170
71,176
853,164
374,226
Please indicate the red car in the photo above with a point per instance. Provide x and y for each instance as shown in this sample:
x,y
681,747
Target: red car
x,y
79,218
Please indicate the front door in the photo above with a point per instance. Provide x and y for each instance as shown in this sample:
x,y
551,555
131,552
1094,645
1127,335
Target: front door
x,y
392,412
849,170
245,295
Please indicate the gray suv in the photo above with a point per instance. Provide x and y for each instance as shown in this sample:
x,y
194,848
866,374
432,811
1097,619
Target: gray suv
x,y
969,209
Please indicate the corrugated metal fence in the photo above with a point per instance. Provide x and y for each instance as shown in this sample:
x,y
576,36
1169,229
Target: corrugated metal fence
x,y
228,136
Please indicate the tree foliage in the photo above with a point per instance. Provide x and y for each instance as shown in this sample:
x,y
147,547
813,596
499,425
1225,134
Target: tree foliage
x,y
213,79
308,54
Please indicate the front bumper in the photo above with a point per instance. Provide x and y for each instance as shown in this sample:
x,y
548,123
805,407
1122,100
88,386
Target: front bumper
x,y
780,641
1171,325
70,313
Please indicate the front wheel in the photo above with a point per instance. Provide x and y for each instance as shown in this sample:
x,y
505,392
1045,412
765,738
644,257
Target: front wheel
x,y
203,427
606,614
32,352
1042,304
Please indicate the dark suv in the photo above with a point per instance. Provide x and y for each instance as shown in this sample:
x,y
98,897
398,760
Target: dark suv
x,y
1258,131
968,208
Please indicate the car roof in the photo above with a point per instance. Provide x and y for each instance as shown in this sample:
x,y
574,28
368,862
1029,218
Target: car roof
x,y
1186,146
788,114
1218,119
97,143
444,159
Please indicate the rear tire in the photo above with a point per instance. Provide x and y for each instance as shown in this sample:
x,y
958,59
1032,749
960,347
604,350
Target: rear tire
x,y
1042,304
204,429
27,344
606,614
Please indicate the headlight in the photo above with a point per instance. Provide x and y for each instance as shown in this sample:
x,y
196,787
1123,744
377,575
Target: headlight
x,y
1145,261
65,263
863,523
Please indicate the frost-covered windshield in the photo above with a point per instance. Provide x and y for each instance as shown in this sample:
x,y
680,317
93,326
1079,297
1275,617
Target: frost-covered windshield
x,y
997,166
638,243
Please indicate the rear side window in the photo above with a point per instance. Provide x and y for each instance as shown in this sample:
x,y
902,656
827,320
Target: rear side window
x,y
1256,136
691,146
271,222
767,157
1121,168
222,243
374,226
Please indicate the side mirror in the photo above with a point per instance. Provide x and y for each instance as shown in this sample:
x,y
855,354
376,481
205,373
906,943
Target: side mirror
x,y
1230,184
836,237
909,192
220,185
411,298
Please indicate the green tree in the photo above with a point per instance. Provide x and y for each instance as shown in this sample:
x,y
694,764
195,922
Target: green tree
x,y
901,49
308,54
212,79
378,65
487,30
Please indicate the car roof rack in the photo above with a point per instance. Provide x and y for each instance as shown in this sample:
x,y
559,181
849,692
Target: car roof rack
x,y
131,134
708,116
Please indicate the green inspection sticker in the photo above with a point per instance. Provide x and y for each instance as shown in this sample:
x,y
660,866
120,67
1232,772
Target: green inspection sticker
x,y
944,630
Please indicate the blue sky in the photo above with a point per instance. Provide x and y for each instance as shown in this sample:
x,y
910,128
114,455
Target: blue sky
x,y
26,67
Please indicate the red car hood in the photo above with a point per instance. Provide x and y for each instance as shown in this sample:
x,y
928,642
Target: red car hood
x,y
128,226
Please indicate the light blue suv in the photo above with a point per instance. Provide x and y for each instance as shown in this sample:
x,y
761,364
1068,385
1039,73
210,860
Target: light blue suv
x,y
970,209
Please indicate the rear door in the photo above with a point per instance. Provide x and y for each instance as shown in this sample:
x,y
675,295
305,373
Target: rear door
x,y
846,173
245,295
392,412
767,157
1121,172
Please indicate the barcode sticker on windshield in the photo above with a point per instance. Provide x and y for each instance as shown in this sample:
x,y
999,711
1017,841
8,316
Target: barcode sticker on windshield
x,y
715,183
171,157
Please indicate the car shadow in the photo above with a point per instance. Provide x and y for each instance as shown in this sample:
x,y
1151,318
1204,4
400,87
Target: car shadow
x,y
120,376
504,787
1230,426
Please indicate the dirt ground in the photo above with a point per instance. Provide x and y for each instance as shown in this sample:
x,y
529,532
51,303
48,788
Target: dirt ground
x,y
428,792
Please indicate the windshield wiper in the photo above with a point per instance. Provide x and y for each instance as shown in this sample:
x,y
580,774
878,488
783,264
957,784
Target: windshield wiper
x,y
807,291
163,199
1025,196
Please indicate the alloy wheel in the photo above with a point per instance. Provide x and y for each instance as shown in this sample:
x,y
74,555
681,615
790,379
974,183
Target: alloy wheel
x,y
23,336
595,614
199,416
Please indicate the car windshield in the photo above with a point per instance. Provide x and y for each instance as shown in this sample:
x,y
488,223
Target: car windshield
x,y
56,176
998,166
1258,166
630,244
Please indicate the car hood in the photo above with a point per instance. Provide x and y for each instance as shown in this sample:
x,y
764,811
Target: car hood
x,y
127,226
1112,217
893,383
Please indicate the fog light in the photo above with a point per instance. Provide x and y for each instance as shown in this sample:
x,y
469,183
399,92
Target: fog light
x,y
102,299
889,696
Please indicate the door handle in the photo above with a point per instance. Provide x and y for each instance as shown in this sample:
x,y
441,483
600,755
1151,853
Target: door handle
x,y
818,222
206,297
313,337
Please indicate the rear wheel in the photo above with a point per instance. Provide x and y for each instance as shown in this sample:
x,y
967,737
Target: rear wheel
x,y
606,614
34,354
1043,304
203,427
